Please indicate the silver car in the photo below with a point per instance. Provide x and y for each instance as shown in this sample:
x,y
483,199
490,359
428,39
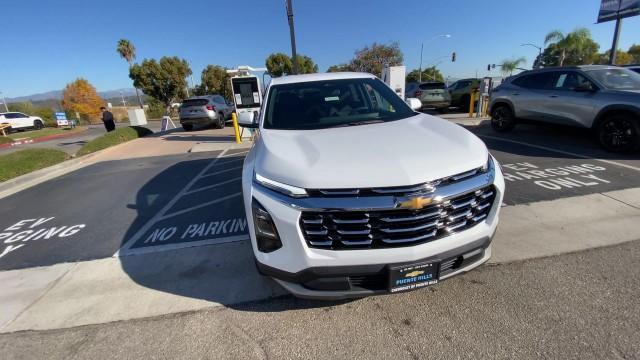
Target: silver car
x,y
431,94
599,97
208,110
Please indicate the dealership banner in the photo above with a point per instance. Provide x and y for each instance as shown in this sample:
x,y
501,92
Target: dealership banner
x,y
612,9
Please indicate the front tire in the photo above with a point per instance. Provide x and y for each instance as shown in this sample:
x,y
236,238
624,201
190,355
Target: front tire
x,y
38,125
502,119
619,133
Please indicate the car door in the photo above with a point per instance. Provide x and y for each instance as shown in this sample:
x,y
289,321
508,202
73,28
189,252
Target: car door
x,y
221,104
528,94
567,106
16,120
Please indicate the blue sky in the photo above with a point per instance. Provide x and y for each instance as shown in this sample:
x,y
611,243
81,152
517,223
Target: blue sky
x,y
47,44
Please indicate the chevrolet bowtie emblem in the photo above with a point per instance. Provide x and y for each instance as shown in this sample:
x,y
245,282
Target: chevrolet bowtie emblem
x,y
414,273
416,203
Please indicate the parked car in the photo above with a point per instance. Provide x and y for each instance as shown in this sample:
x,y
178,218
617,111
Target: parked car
x,y
431,94
209,110
349,192
20,121
599,97
634,67
460,92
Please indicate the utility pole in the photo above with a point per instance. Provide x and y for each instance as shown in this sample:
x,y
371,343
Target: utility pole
x,y
124,103
420,68
4,101
616,37
292,33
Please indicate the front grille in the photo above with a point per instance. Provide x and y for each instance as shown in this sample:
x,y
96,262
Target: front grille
x,y
393,191
344,230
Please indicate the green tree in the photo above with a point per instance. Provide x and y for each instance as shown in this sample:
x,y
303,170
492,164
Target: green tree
x,y
128,52
25,107
509,65
278,64
574,48
339,68
163,80
374,58
306,65
215,79
634,50
622,58
428,74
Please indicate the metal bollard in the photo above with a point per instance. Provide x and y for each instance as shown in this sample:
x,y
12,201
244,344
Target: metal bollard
x,y
236,129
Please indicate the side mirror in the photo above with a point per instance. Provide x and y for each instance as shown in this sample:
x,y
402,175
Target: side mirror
x,y
414,104
246,119
584,87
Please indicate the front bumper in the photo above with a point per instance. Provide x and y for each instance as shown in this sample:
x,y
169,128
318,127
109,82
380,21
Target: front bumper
x,y
333,274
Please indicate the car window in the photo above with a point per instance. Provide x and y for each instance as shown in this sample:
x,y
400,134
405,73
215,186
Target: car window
x,y
540,81
219,99
10,115
569,81
195,102
431,86
331,103
616,78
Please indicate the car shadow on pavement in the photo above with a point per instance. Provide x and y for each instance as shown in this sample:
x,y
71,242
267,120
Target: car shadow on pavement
x,y
166,250
559,137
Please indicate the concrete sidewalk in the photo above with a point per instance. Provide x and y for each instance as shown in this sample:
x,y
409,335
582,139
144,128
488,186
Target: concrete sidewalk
x,y
139,286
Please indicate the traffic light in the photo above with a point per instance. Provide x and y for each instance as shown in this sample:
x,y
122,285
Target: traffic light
x,y
453,57
489,67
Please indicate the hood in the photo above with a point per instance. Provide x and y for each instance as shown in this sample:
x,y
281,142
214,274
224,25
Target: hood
x,y
396,153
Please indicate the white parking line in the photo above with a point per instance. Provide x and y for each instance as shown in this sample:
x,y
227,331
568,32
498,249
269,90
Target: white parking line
x,y
201,205
158,216
212,186
221,171
561,152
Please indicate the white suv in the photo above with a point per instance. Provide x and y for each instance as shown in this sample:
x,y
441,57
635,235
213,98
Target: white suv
x,y
349,192
21,121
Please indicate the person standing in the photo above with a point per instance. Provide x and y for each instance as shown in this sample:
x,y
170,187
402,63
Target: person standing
x,y
107,119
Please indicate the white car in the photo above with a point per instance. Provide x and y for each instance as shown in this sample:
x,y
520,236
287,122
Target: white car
x,y
19,121
349,192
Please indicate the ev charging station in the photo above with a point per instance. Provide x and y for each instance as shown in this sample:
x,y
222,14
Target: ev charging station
x,y
395,77
247,94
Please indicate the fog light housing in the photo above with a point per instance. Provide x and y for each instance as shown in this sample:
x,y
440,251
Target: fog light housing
x,y
267,237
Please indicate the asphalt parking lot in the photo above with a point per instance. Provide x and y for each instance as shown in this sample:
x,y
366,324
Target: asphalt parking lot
x,y
152,204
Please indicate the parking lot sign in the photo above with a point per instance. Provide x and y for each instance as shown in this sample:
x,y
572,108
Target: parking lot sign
x,y
61,119
618,9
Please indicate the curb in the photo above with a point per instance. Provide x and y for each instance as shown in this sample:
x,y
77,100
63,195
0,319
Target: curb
x,y
40,139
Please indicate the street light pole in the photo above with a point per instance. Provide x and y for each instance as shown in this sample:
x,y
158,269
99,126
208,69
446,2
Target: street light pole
x,y
124,103
4,101
539,50
292,34
422,50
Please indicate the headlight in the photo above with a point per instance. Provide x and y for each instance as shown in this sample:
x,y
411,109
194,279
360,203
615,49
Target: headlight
x,y
488,165
279,187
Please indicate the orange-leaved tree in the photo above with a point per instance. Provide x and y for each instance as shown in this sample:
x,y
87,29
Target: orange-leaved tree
x,y
81,97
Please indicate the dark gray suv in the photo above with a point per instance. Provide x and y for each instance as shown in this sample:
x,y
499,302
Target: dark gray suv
x,y
600,97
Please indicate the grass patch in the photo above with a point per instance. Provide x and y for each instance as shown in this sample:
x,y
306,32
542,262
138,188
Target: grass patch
x,y
28,160
5,140
34,134
115,137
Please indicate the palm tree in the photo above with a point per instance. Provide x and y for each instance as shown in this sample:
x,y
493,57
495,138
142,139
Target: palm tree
x,y
128,52
508,66
575,41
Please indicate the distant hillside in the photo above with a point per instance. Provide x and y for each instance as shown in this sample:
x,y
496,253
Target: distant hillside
x,y
57,95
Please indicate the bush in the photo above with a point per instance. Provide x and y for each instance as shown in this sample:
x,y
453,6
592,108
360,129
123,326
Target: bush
x,y
156,109
115,137
28,160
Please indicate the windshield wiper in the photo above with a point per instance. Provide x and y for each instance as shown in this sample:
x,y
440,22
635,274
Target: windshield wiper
x,y
358,123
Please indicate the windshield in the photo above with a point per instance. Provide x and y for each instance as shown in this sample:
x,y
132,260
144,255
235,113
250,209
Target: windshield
x,y
616,79
331,103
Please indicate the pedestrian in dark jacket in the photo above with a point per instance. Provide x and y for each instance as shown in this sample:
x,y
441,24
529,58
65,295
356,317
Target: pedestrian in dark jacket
x,y
107,119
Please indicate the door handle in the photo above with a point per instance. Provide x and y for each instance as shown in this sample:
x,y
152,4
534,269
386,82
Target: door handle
x,y
553,96
515,94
